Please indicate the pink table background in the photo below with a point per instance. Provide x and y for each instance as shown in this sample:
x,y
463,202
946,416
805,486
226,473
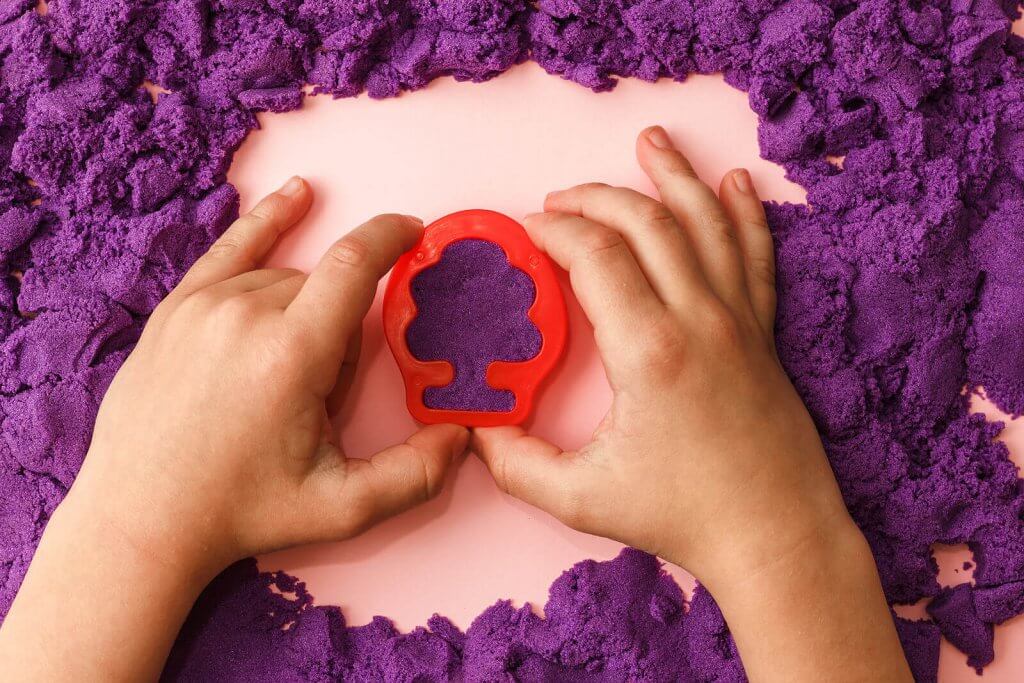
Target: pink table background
x,y
500,145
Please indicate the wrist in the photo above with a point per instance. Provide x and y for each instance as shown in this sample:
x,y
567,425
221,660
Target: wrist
x,y
737,553
151,542
833,547
127,600
824,587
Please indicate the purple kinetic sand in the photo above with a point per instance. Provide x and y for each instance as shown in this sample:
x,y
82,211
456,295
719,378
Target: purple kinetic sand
x,y
903,285
471,310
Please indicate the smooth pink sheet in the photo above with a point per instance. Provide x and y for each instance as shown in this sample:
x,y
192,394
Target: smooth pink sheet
x,y
500,145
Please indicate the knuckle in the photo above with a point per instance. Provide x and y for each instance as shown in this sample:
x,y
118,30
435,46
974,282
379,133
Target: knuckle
x,y
721,326
269,209
756,222
500,470
591,187
230,248
278,360
762,269
351,251
720,228
663,345
431,481
198,303
677,165
596,243
235,309
228,245
655,215
293,339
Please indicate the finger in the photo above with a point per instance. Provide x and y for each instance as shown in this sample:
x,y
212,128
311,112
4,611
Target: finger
x,y
657,241
534,471
744,207
248,240
607,281
698,210
392,481
346,375
340,290
281,293
253,280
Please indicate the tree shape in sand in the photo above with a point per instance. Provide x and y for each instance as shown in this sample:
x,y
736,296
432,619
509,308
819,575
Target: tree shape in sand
x,y
472,310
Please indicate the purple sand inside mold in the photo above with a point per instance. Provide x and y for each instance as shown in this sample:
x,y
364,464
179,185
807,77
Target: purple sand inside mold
x,y
472,309
899,284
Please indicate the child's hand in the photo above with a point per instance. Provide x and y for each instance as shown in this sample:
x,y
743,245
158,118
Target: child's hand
x,y
705,433
213,443
214,435
707,456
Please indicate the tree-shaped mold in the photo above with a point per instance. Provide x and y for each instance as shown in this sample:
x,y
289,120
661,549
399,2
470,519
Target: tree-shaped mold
x,y
472,309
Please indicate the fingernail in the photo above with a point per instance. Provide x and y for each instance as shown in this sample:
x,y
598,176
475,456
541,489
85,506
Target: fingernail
x,y
659,138
292,187
415,219
530,216
741,179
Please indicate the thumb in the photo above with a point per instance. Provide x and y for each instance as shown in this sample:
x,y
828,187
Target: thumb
x,y
364,492
535,471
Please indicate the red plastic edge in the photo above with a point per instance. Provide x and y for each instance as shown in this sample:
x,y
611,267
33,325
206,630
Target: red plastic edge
x,y
547,313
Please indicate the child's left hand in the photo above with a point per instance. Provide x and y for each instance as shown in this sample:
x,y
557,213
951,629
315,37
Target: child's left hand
x,y
213,439
213,443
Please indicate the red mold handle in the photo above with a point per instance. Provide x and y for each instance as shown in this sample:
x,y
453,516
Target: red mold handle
x,y
547,313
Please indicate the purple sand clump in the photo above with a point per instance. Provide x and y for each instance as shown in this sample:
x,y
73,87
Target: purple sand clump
x,y
472,310
920,641
900,283
954,611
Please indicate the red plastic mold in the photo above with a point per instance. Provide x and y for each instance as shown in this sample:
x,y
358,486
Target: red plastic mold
x,y
547,313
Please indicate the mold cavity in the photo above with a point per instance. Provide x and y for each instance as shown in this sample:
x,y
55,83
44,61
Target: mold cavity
x,y
472,310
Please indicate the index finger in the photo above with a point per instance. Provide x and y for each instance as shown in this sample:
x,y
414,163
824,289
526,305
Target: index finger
x,y
248,240
331,305
605,276
657,241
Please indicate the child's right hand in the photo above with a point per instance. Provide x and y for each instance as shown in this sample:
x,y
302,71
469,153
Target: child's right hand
x,y
707,456
705,434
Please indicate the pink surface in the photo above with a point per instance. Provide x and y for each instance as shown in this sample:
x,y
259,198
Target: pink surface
x,y
500,145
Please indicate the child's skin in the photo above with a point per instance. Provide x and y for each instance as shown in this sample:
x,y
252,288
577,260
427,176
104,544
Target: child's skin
x,y
213,442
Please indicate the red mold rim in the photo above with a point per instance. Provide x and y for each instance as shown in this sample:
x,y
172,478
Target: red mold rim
x,y
547,313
